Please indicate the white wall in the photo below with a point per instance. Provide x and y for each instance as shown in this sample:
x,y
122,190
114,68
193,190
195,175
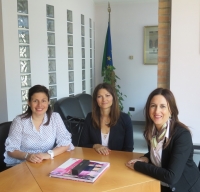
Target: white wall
x,y
185,62
127,22
3,104
10,99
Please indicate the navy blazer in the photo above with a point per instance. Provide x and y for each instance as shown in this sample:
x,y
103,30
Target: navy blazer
x,y
120,137
178,168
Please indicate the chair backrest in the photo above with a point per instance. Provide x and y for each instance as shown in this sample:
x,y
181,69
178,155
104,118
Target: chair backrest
x,y
68,106
85,101
4,130
197,147
76,106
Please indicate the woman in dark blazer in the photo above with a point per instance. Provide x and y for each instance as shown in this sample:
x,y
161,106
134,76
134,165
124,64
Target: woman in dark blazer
x,y
106,128
170,156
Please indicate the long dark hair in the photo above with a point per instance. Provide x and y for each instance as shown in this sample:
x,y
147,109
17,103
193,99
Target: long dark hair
x,y
168,95
33,90
114,110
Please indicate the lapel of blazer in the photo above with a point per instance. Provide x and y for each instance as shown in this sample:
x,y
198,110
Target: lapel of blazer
x,y
98,135
111,135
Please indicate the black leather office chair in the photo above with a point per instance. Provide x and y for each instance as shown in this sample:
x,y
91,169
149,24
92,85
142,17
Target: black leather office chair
x,y
4,130
85,101
197,147
73,110
76,106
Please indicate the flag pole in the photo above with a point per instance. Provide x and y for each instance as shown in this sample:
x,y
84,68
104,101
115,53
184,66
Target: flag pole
x,y
109,10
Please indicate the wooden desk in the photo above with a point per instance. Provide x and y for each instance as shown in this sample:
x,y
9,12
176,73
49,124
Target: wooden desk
x,y
117,177
18,179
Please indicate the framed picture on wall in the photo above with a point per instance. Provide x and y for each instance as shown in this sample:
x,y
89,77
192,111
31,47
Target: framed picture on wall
x,y
150,45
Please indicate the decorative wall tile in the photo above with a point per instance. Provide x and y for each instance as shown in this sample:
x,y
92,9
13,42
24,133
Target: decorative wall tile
x,y
70,28
70,64
52,65
71,76
91,55
50,11
52,102
25,80
22,6
90,23
24,51
83,52
82,41
70,40
24,95
50,25
23,21
91,83
53,91
24,108
83,74
90,33
52,78
83,85
82,30
51,42
83,63
23,36
69,15
70,52
51,38
25,66
82,20
51,52
71,88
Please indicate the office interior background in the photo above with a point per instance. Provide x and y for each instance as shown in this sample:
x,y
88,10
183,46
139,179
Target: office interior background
x,y
65,54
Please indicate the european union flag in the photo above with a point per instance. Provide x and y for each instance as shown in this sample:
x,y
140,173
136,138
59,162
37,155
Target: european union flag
x,y
107,54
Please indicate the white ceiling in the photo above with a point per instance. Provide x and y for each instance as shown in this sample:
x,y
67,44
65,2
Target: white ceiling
x,y
124,1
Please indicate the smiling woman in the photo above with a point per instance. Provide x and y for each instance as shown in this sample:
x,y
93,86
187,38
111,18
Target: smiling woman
x,y
37,134
106,128
170,156
159,111
39,105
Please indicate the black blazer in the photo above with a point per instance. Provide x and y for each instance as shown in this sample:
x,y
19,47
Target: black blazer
x,y
178,168
120,137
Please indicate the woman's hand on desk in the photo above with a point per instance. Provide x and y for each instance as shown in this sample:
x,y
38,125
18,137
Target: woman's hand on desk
x,y
131,163
37,157
101,149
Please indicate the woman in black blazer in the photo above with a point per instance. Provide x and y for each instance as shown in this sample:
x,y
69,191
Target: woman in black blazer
x,y
106,128
170,156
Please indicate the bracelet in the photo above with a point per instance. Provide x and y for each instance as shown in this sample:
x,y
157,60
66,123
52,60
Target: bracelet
x,y
26,155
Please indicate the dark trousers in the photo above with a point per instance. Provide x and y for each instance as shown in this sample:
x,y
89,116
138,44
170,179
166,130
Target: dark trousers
x,y
165,189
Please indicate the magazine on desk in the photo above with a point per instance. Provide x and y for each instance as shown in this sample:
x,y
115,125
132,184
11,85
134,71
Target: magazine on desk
x,y
89,173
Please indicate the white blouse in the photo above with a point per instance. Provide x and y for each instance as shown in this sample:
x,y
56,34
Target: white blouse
x,y
23,136
104,139
156,153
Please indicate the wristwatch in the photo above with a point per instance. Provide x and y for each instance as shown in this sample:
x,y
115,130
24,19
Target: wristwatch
x,y
50,152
